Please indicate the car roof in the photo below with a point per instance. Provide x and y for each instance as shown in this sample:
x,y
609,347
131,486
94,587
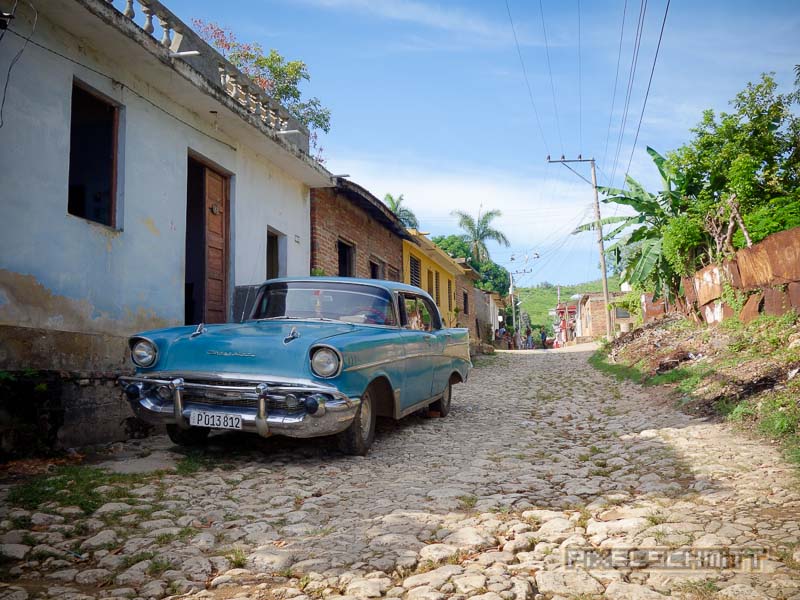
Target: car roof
x,y
389,285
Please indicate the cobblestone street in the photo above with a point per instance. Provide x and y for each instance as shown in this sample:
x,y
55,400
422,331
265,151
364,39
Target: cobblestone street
x,y
540,453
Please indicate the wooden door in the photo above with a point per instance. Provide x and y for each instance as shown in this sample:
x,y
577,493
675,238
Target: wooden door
x,y
216,202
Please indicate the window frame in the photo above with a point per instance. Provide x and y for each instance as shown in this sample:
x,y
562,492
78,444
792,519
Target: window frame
x,y
115,147
430,306
352,262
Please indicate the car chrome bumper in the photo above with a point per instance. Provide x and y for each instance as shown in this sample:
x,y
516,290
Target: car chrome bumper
x,y
165,401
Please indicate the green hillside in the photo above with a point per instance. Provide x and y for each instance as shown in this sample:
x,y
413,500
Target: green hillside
x,y
538,300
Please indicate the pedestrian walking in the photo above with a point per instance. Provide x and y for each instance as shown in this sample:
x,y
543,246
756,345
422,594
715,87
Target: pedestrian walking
x,y
544,339
528,338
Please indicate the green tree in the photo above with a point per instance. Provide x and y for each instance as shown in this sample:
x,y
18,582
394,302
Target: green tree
x,y
280,78
494,278
641,235
750,154
479,231
405,214
456,246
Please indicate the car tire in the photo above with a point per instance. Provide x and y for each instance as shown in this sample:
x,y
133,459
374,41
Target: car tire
x,y
358,437
442,406
194,436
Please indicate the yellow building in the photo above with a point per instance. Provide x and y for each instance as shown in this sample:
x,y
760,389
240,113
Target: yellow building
x,y
427,266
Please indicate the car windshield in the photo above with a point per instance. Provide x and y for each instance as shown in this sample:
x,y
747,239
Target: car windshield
x,y
363,304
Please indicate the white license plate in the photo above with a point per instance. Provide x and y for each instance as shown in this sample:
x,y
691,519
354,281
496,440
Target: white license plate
x,y
215,420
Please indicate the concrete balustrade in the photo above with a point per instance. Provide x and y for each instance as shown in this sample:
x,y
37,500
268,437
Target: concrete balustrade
x,y
178,37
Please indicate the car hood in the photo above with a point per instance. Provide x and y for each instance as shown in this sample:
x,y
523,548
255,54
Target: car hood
x,y
254,347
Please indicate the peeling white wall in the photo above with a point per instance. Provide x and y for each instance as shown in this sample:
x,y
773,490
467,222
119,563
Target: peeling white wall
x,y
116,281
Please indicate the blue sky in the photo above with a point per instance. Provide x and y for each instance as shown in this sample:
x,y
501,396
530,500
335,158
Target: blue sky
x,y
428,98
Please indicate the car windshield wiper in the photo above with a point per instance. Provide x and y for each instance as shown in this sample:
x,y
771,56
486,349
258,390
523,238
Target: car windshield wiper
x,y
284,317
325,319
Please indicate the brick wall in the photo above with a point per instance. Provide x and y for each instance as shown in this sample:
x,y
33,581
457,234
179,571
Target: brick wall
x,y
466,318
333,218
594,317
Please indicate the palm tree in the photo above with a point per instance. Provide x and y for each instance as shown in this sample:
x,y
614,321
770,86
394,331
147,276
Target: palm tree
x,y
479,231
405,214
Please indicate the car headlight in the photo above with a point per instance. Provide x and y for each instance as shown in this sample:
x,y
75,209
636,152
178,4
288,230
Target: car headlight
x,y
325,362
143,353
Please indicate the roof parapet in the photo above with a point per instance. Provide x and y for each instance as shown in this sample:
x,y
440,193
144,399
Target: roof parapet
x,y
179,41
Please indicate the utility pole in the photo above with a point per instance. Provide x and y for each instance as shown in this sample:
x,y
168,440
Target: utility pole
x,y
511,293
599,227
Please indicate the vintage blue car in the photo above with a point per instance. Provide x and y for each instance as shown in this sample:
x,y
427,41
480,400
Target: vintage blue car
x,y
318,356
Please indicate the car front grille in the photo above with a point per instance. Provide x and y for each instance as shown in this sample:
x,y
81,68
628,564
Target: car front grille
x,y
222,398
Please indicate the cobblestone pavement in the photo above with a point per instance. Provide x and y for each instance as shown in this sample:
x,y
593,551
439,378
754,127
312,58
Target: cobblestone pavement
x,y
540,453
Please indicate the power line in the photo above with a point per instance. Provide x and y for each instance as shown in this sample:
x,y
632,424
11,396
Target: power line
x,y
631,78
616,81
525,75
550,71
580,99
647,93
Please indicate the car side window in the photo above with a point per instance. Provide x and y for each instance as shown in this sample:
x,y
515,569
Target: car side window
x,y
420,314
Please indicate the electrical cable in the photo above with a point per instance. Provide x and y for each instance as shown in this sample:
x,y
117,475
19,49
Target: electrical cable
x,y
631,79
647,92
614,94
17,57
525,75
550,71
127,87
580,98
578,174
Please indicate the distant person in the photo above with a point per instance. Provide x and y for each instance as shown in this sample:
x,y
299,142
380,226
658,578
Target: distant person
x,y
544,339
528,338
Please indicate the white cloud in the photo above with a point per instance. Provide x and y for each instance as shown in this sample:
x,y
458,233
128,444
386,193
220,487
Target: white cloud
x,y
538,213
453,20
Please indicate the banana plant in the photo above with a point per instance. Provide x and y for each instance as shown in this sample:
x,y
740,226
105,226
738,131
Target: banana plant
x,y
641,233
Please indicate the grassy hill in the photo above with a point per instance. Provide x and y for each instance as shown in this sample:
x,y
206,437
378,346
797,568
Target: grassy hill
x,y
537,301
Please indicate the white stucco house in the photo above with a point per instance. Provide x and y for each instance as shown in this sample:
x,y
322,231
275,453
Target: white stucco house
x,y
142,179
139,186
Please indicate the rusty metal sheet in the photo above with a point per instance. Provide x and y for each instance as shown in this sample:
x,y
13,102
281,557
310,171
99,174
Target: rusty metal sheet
x,y
652,310
730,269
776,302
708,283
773,261
794,295
751,308
688,290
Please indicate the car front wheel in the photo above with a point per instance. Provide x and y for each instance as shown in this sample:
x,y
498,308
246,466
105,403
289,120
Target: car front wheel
x,y
357,438
194,436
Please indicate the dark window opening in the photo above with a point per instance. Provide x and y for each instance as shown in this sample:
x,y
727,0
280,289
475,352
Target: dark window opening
x,y
376,269
415,268
430,282
195,285
346,258
466,303
92,157
449,296
273,264
436,297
